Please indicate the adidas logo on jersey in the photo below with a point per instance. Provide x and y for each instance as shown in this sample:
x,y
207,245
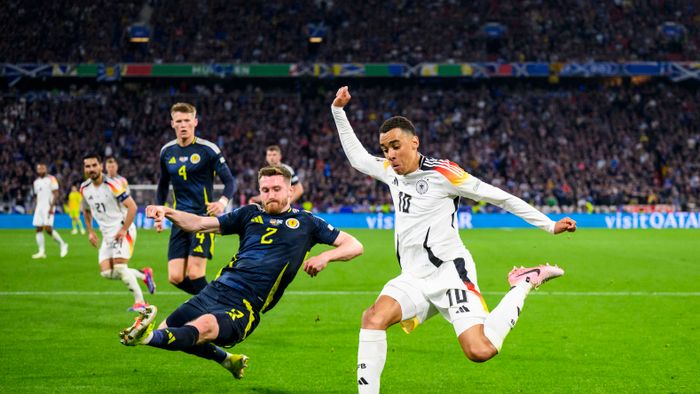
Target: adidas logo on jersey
x,y
462,309
257,219
172,160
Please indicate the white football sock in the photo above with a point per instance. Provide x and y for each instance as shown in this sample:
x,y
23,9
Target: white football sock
x,y
129,280
137,274
56,237
371,355
503,318
40,242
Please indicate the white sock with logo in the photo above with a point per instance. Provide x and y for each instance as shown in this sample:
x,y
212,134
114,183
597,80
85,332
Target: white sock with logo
x,y
503,318
371,356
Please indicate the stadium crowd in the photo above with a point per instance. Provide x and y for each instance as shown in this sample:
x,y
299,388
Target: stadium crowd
x,y
567,148
382,31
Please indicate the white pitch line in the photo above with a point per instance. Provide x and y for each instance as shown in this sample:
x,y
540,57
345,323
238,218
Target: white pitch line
x,y
351,293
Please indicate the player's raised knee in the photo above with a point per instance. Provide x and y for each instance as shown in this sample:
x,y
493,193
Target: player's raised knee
x,y
176,278
208,327
480,353
374,320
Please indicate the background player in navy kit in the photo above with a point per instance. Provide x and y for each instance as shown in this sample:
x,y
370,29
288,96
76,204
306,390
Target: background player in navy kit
x,y
190,163
273,157
274,241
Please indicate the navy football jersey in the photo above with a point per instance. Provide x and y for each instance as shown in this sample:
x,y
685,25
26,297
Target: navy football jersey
x,y
191,170
272,248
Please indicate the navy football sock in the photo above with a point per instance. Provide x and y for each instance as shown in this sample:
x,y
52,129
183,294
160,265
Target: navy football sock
x,y
198,284
186,286
208,351
179,338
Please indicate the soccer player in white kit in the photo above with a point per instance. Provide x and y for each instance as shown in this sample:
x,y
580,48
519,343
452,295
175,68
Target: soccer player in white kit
x,y
437,271
45,189
109,203
112,167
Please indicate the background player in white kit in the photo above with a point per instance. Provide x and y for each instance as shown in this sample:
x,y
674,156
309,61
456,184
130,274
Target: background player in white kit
x,y
114,210
45,189
437,272
112,167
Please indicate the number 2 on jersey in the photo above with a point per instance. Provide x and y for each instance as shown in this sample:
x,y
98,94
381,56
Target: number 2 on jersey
x,y
268,232
182,171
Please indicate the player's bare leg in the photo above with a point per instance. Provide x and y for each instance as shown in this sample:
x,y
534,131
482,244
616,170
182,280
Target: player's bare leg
x,y
196,272
475,345
371,352
177,273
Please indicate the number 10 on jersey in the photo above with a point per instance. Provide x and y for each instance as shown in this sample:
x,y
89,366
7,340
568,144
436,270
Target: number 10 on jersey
x,y
404,202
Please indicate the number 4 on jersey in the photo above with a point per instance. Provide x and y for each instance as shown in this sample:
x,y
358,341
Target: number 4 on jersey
x,y
182,171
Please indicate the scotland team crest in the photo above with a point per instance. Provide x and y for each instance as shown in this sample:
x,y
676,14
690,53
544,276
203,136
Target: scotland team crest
x,y
195,158
422,186
292,223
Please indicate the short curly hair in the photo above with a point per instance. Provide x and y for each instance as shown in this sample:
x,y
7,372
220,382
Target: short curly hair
x,y
397,122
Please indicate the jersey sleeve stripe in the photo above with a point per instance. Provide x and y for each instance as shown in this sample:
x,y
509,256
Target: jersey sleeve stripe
x,y
115,190
455,178
208,144
169,144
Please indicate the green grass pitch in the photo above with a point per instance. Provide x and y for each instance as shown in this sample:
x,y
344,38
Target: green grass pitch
x,y
624,318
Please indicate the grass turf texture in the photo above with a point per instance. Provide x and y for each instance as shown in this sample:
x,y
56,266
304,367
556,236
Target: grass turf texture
x,y
58,337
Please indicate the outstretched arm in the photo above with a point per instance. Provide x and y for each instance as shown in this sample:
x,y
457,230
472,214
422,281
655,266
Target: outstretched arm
x,y
359,158
478,190
346,247
188,222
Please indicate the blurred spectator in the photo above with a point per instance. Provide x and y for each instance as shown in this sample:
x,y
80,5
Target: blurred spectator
x,y
409,31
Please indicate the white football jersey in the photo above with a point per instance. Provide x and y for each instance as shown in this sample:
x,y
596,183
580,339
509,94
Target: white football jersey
x,y
426,202
106,203
43,190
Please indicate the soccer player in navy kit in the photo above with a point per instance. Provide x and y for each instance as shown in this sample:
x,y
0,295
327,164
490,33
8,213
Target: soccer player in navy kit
x,y
190,163
275,240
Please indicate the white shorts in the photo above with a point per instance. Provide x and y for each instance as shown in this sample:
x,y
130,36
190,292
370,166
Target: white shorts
x,y
122,249
451,290
42,217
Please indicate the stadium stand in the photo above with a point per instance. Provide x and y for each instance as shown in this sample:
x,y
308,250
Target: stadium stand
x,y
560,147
380,31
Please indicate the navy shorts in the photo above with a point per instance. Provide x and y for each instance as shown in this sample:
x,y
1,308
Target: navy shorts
x,y
183,244
236,317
